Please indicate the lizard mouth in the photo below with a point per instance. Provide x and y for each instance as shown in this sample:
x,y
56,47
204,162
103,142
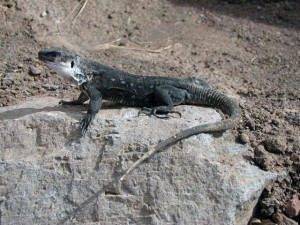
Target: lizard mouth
x,y
51,64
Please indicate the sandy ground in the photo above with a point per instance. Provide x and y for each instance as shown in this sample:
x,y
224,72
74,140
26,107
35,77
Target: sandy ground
x,y
250,51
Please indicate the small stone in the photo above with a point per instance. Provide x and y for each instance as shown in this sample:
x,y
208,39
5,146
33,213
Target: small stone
x,y
255,221
292,207
267,222
14,92
260,156
259,151
9,76
8,82
251,124
244,138
268,211
44,14
277,217
34,92
28,78
275,122
34,70
276,145
50,87
20,65
288,162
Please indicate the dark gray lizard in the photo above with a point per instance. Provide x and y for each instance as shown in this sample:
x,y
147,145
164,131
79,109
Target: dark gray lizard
x,y
156,95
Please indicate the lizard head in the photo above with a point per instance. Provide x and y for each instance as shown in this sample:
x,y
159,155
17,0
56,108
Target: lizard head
x,y
65,63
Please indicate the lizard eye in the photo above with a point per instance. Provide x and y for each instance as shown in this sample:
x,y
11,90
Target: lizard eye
x,y
72,64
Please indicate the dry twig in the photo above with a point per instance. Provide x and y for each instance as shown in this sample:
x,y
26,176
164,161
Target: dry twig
x,y
80,11
110,45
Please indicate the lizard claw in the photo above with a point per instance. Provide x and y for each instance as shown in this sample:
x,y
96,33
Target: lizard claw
x,y
146,111
85,122
177,113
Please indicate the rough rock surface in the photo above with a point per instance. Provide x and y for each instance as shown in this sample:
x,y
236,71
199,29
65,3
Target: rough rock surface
x,y
50,174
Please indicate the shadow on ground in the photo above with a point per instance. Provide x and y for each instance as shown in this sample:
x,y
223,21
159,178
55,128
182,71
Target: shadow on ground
x,y
277,13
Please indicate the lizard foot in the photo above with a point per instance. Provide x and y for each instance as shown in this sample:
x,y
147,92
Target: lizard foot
x,y
85,122
153,112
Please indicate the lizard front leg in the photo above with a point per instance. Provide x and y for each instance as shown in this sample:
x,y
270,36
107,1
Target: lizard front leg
x,y
93,107
79,101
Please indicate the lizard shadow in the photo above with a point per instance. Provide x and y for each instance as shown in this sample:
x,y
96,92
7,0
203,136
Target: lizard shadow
x,y
72,111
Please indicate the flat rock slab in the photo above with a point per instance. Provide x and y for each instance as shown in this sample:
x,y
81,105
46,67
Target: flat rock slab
x,y
50,174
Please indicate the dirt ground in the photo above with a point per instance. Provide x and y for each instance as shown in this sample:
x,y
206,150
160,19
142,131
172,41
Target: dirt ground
x,y
250,51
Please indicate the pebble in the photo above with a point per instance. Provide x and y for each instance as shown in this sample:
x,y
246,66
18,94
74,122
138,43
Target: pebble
x,y
9,76
44,13
292,207
276,145
259,151
28,78
50,87
260,156
293,118
268,222
255,221
268,211
244,138
34,70
277,217
8,82
275,122
250,122
14,92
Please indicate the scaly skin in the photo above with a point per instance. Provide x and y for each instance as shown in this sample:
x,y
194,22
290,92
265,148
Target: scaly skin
x,y
156,95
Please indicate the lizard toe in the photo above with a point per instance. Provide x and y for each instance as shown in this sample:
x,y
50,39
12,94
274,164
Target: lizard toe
x,y
85,122
145,110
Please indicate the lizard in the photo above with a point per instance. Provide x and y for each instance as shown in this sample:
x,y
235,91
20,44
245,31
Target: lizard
x,y
155,95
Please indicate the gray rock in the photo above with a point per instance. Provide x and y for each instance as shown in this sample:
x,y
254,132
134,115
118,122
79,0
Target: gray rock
x,y
244,138
276,144
50,174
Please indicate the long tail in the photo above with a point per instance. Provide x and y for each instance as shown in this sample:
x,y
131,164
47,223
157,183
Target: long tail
x,y
204,96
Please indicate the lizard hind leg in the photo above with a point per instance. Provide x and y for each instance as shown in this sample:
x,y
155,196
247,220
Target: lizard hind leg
x,y
165,97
